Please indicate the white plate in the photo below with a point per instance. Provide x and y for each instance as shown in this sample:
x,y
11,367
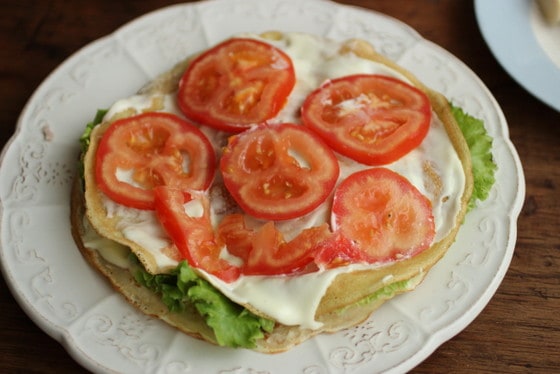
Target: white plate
x,y
74,305
528,49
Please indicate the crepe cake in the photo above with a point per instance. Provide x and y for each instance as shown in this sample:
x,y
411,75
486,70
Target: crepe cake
x,y
300,304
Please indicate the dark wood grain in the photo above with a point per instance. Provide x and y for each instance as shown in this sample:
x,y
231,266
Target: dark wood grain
x,y
519,330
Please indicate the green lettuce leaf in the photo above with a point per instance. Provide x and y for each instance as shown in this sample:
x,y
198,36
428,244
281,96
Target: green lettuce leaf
x,y
480,146
233,325
85,138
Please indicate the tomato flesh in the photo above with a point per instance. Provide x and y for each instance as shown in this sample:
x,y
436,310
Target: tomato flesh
x,y
383,214
236,84
192,235
278,172
338,250
264,251
141,152
372,119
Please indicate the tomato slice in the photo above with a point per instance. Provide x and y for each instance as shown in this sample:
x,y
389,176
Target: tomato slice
x,y
236,84
264,251
383,214
193,235
372,119
279,171
138,153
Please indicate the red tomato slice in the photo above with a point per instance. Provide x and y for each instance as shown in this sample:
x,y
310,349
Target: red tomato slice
x,y
264,251
138,153
192,235
278,172
372,119
383,214
236,84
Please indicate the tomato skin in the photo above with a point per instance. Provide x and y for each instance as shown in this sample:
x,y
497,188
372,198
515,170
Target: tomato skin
x,y
153,147
193,236
383,214
278,172
372,119
236,84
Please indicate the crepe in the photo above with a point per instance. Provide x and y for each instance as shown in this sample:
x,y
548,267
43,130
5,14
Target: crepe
x,y
347,301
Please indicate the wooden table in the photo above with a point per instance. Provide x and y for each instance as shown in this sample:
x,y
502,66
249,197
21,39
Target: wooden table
x,y
519,330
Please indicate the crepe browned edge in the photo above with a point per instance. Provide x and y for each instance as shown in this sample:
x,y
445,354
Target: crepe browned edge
x,y
345,292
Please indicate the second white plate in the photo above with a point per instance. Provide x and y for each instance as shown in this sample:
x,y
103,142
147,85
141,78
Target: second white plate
x,y
508,26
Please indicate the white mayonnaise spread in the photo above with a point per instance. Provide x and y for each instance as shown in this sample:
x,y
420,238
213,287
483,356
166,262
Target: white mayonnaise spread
x,y
292,300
